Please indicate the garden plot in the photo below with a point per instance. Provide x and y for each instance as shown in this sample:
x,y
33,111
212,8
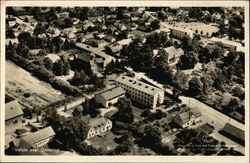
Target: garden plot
x,y
28,90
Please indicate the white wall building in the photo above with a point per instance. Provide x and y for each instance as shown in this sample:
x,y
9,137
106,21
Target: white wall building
x,y
229,44
180,33
109,96
40,138
143,93
98,126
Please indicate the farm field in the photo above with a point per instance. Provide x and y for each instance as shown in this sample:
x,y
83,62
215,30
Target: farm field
x,y
28,90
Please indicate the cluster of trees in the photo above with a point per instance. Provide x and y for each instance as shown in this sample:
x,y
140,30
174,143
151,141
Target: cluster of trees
x,y
192,140
40,71
124,114
71,132
149,116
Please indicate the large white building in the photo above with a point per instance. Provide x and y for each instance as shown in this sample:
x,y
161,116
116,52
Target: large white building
x,y
109,96
143,93
180,33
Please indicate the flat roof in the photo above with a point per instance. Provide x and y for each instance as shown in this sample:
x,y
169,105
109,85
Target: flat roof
x,y
136,84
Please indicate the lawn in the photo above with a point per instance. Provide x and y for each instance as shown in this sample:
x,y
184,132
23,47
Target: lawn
x,y
107,141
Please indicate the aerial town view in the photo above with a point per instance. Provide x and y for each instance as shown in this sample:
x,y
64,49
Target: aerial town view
x,y
125,81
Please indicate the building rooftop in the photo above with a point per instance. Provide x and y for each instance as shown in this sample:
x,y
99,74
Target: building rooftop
x,y
12,110
224,41
39,135
171,51
133,83
112,93
97,122
96,51
181,29
234,131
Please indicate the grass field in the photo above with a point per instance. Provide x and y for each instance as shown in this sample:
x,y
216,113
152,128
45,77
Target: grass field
x,y
28,90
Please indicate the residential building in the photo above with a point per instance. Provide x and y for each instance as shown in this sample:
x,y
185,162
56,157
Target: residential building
x,y
188,117
172,54
180,33
141,92
98,126
40,137
229,44
33,141
110,96
100,57
13,116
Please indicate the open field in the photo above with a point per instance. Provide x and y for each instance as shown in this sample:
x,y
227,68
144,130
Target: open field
x,y
28,90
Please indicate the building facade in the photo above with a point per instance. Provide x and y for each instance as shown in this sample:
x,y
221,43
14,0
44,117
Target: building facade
x,y
98,126
140,92
13,116
187,118
180,33
40,138
110,96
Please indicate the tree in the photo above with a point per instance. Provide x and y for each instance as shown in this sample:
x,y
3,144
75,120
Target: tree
x,y
84,14
124,113
25,38
10,33
207,83
180,80
161,15
152,136
68,23
58,43
188,61
80,78
58,68
232,105
195,86
155,24
48,63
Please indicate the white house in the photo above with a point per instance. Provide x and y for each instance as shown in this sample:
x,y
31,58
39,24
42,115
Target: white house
x,y
187,118
172,54
98,126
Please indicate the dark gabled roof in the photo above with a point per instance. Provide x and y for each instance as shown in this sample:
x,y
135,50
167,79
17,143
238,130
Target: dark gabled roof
x,y
234,131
